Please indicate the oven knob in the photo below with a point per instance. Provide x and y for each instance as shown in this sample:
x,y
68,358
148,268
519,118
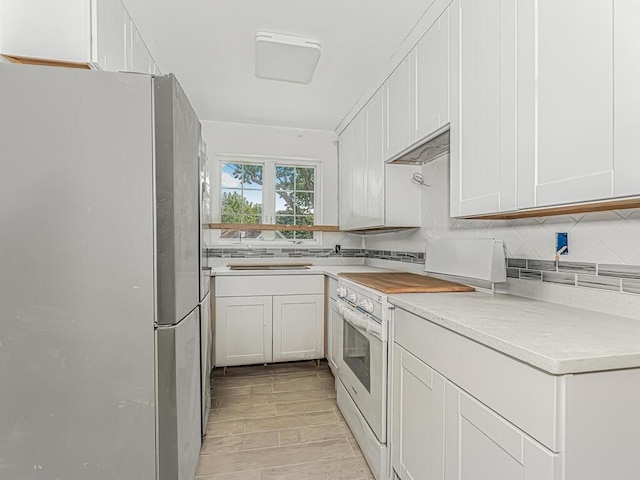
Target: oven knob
x,y
353,298
342,292
367,305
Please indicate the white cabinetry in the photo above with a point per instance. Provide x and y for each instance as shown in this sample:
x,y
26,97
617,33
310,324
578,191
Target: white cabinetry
x,y
298,327
243,330
626,105
268,318
371,193
397,108
99,33
334,328
112,32
480,445
430,81
418,418
483,107
565,102
504,419
544,104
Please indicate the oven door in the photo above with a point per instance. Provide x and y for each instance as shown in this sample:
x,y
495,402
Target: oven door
x,y
364,366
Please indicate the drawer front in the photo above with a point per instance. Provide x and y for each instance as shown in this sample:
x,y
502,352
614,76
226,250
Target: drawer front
x,y
525,396
259,285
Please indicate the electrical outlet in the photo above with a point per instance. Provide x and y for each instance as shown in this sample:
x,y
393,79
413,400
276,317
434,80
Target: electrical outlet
x,y
338,248
562,244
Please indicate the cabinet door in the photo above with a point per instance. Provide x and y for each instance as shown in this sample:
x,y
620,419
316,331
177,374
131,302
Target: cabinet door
x,y
418,419
565,92
483,106
374,194
480,445
626,98
397,92
243,330
298,327
345,174
140,58
110,35
430,80
358,170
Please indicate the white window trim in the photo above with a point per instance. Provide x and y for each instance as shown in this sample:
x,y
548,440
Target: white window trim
x,y
268,198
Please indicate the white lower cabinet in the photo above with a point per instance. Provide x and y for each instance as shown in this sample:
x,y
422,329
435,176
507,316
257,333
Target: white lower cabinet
x,y
463,411
268,318
244,331
298,327
418,418
481,445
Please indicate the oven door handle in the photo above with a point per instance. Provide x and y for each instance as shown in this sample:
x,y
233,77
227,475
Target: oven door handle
x,y
359,321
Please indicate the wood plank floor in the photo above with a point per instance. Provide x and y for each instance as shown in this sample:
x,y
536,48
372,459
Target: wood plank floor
x,y
278,422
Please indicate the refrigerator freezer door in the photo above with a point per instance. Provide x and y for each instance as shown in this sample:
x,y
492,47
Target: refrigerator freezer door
x,y
206,340
179,397
205,219
76,284
177,144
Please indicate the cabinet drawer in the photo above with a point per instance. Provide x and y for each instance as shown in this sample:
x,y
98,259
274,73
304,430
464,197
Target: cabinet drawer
x,y
525,396
257,285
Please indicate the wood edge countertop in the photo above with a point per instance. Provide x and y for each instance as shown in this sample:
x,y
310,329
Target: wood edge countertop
x,y
401,282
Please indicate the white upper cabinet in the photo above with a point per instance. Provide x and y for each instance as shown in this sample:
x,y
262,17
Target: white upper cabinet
x,y
374,172
565,101
141,59
545,107
345,174
483,107
626,105
112,34
430,81
99,33
371,193
397,109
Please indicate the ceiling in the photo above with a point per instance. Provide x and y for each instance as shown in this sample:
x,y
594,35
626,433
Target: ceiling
x,y
209,46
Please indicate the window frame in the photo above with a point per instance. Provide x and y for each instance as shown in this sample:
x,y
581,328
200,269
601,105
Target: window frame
x,y
268,196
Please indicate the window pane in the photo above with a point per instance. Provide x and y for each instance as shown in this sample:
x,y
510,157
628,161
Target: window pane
x,y
305,178
285,220
303,202
241,200
285,177
304,235
308,220
284,203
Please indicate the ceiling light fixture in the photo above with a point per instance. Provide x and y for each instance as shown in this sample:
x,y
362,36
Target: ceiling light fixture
x,y
286,58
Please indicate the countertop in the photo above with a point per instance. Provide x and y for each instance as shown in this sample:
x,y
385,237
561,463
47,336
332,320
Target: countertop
x,y
554,338
329,270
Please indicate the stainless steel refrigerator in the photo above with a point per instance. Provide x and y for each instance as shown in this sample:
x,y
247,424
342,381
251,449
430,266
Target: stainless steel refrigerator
x,y
99,276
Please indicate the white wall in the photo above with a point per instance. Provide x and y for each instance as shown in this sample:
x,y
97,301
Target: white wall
x,y
606,237
281,142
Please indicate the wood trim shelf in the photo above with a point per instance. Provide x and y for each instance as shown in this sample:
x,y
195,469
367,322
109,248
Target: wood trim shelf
x,y
563,210
46,62
271,227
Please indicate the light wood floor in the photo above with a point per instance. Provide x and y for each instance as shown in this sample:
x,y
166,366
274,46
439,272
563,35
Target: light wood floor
x,y
278,422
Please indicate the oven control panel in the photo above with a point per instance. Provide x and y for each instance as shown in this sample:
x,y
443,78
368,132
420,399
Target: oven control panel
x,y
361,301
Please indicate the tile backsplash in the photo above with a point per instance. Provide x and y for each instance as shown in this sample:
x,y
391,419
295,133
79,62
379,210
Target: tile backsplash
x,y
394,256
615,278
598,238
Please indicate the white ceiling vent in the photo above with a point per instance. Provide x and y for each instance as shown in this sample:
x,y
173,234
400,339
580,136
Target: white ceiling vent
x,y
286,58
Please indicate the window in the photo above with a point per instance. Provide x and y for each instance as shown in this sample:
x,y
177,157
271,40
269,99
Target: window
x,y
275,192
